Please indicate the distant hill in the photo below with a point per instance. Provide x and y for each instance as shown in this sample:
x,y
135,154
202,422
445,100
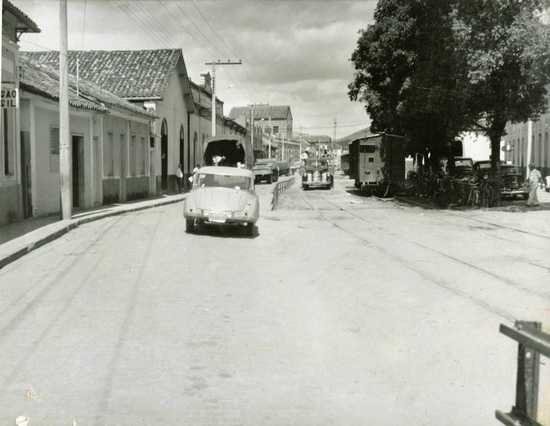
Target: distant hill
x,y
343,142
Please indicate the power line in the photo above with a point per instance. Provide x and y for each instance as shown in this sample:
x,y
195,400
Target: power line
x,y
229,49
135,17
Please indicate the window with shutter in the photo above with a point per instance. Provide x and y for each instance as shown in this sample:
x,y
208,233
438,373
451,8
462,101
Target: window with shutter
x,y
54,149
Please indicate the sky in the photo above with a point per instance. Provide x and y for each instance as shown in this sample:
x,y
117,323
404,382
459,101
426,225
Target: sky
x,y
293,52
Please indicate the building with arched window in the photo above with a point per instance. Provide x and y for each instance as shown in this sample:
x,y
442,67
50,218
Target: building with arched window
x,y
157,80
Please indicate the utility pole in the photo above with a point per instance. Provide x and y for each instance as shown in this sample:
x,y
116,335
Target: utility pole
x,y
214,64
65,154
1,40
529,147
332,154
283,149
252,126
270,133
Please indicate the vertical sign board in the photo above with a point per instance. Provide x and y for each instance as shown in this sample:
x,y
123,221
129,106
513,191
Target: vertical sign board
x,y
9,98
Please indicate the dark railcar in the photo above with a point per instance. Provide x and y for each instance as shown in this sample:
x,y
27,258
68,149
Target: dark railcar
x,y
377,163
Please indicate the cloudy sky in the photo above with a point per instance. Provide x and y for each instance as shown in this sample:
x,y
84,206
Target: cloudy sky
x,y
294,52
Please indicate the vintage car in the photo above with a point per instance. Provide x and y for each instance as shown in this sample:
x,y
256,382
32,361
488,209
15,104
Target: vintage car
x,y
461,168
511,177
222,196
266,169
317,174
513,182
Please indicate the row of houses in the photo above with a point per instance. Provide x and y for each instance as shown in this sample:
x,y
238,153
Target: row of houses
x,y
274,126
515,144
134,117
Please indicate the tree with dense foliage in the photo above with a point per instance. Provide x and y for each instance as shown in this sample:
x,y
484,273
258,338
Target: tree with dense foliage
x,y
430,69
507,50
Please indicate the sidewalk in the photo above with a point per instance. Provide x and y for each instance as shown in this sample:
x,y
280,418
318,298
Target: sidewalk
x,y
514,215
17,239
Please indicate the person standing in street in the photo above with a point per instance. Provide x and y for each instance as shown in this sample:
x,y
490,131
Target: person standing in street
x,y
534,179
179,177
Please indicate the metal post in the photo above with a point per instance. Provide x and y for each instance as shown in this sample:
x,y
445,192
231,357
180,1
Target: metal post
x,y
213,83
65,154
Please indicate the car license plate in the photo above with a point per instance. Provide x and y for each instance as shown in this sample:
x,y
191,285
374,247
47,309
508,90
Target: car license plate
x,y
217,217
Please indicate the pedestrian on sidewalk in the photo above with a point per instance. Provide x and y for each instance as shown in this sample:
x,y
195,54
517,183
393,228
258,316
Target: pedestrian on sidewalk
x,y
534,179
179,177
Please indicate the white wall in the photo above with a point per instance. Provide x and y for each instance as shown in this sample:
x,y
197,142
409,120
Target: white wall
x,y
476,146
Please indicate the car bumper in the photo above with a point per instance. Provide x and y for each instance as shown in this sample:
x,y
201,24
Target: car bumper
x,y
215,218
316,184
511,193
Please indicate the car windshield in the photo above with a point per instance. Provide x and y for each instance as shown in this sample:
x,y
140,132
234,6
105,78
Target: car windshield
x,y
223,181
262,166
511,170
463,163
484,166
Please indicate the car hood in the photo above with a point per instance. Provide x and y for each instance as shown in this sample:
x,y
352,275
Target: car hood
x,y
220,199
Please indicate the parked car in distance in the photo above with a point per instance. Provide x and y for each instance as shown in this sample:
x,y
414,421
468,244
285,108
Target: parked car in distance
x,y
461,168
511,177
483,167
284,168
513,182
317,174
222,196
266,169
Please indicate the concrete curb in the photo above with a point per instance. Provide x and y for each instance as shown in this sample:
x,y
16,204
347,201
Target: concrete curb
x,y
26,243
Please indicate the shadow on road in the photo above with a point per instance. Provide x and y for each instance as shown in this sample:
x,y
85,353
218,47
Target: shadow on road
x,y
221,231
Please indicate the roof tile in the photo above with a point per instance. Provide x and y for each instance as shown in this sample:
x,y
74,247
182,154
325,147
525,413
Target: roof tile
x,y
125,73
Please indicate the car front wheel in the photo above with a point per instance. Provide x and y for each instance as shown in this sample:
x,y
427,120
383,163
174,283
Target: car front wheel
x,y
249,229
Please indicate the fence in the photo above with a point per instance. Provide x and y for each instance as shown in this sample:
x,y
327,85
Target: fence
x,y
280,186
532,343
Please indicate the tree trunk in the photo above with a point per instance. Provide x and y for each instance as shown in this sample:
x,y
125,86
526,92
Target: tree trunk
x,y
495,135
495,152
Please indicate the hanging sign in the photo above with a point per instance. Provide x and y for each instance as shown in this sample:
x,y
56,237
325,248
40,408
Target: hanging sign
x,y
9,97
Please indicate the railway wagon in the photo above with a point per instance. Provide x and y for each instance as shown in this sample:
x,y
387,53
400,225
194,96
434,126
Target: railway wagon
x,y
377,163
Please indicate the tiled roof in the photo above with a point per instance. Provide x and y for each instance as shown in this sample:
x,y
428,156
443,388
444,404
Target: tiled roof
x,y
276,112
24,24
44,80
130,74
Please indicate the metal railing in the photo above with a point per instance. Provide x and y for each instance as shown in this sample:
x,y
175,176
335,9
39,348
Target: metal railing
x,y
280,187
532,343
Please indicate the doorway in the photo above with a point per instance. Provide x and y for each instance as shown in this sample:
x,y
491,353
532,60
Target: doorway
x,y
26,181
77,169
164,155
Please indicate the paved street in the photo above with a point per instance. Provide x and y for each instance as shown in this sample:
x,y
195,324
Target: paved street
x,y
343,310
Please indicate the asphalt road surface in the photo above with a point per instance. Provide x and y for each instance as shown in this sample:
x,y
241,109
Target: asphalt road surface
x,y
342,310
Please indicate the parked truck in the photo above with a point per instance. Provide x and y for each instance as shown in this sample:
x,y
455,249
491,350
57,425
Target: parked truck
x,y
377,163
229,151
